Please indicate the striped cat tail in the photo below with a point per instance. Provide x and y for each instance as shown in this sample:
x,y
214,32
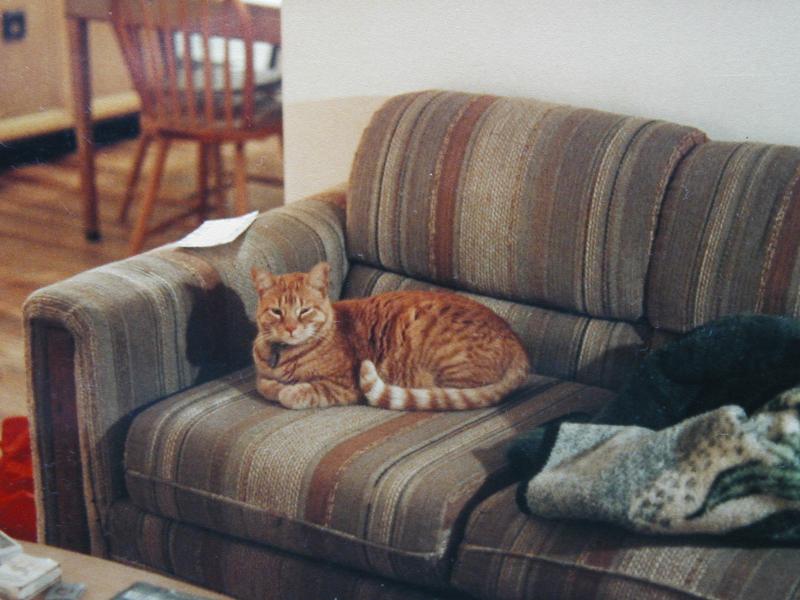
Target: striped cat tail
x,y
385,395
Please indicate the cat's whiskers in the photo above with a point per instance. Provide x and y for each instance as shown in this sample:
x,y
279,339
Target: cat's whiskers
x,y
317,335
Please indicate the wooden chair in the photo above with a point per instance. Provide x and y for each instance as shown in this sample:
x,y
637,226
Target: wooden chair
x,y
183,98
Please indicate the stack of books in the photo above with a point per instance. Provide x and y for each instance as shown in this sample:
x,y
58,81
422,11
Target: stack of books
x,y
23,576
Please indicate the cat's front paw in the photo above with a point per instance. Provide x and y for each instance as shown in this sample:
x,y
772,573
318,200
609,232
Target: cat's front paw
x,y
297,397
269,388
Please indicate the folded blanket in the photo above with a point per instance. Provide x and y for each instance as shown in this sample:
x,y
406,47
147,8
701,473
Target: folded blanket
x,y
717,473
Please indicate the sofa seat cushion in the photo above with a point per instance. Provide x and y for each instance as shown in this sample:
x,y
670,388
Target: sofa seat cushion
x,y
383,491
508,554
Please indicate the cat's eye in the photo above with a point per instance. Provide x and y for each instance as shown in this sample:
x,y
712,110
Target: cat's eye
x,y
304,311
276,311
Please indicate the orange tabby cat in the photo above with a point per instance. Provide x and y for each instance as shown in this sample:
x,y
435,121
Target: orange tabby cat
x,y
401,350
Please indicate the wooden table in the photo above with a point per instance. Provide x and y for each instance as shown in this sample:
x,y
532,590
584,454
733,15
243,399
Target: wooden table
x,y
266,22
104,578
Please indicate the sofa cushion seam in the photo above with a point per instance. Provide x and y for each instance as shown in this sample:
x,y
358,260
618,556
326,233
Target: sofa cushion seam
x,y
242,504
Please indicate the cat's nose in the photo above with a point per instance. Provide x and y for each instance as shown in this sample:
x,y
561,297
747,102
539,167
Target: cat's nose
x,y
290,328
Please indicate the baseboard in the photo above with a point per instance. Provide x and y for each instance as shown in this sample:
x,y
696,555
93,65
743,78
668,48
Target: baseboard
x,y
50,146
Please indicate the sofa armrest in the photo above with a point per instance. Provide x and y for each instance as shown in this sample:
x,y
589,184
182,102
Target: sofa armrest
x,y
108,342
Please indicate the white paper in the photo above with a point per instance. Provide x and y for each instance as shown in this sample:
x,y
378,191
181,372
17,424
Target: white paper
x,y
217,232
8,547
22,570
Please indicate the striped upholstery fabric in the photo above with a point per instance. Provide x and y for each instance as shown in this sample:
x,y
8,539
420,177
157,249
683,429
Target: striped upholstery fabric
x,y
729,236
513,198
596,352
508,555
238,568
161,322
381,491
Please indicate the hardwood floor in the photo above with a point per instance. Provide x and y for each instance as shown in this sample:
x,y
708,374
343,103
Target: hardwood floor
x,y
41,239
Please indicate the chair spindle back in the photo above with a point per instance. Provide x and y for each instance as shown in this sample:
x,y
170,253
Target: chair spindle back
x,y
156,38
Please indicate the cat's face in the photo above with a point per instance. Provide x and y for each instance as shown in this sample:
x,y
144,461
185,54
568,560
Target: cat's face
x,y
293,308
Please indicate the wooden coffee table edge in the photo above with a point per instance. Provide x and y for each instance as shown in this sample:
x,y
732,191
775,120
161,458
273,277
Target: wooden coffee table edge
x,y
105,578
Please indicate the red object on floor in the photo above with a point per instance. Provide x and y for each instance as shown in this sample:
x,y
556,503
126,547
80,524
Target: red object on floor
x,y
17,508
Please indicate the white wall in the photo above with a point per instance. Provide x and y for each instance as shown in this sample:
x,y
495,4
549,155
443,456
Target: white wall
x,y
730,67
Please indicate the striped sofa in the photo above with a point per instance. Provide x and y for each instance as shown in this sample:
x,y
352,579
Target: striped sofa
x,y
597,236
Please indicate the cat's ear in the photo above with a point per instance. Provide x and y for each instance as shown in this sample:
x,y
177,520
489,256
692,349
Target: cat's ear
x,y
263,280
318,277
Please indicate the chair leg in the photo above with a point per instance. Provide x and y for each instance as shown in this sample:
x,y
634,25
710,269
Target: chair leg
x,y
133,178
280,150
240,179
202,180
140,230
219,176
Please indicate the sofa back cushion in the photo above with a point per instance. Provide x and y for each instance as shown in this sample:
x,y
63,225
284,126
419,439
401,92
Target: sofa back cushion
x,y
729,236
513,198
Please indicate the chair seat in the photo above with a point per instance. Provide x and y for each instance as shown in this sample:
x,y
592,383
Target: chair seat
x,y
507,554
262,78
383,491
267,118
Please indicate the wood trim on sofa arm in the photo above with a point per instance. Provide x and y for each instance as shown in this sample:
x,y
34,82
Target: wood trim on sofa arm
x,y
58,446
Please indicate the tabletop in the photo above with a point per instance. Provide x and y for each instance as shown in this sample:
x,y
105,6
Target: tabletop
x,y
104,578
265,14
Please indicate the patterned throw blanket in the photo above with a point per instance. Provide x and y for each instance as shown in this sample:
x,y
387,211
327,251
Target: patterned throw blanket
x,y
717,473
676,452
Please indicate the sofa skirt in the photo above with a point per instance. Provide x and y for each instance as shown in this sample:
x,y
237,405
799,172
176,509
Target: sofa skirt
x,y
238,568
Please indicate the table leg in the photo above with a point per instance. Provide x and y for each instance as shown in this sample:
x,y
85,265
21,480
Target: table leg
x,y
82,109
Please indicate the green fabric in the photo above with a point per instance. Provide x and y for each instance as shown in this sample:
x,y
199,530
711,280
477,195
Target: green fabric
x,y
743,360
